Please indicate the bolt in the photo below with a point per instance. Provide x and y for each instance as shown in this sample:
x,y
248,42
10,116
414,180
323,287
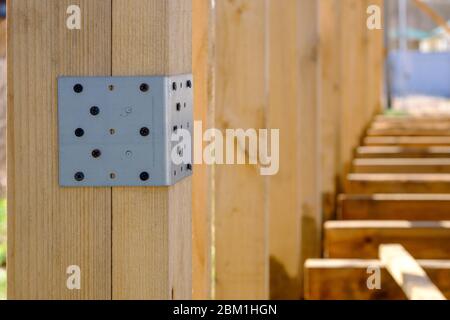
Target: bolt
x,y
144,87
95,110
129,153
78,88
144,176
79,132
79,176
96,153
174,86
178,106
144,131
189,167
189,84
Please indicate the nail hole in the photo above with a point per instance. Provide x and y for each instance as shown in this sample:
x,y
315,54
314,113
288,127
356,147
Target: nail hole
x,y
174,86
189,84
112,175
175,128
144,131
94,110
112,131
178,106
111,87
189,166
79,132
144,87
96,153
144,176
78,88
79,176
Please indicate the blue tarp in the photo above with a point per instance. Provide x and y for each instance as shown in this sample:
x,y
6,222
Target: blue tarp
x,y
417,73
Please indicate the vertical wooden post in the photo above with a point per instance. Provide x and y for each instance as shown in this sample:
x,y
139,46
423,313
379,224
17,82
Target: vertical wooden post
x,y
240,211
329,86
309,128
202,38
51,228
284,114
151,242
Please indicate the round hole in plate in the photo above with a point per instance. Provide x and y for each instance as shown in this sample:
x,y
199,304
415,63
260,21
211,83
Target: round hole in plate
x,y
112,175
111,87
112,131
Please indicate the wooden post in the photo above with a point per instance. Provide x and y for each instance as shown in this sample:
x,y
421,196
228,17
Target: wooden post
x,y
51,228
151,237
240,210
128,242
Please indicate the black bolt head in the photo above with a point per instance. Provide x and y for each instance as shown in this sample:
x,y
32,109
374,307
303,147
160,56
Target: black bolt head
x,y
189,166
144,87
78,88
79,132
144,176
174,86
189,84
178,106
94,110
96,153
144,131
79,176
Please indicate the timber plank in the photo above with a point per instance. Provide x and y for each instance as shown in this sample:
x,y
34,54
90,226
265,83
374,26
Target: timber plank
x,y
403,165
346,279
370,183
152,226
419,141
51,228
361,239
429,207
402,152
408,132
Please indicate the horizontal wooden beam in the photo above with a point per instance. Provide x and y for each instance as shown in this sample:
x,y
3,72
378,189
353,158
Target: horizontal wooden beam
x,y
436,118
402,165
370,183
434,207
408,274
346,279
375,132
402,152
361,239
422,141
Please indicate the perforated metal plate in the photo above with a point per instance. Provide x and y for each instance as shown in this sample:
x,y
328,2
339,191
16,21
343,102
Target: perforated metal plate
x,y
116,131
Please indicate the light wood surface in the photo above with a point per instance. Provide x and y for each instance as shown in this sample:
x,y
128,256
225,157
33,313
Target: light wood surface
x,y
402,165
370,183
419,141
51,228
408,274
346,279
394,207
402,152
360,239
240,207
152,226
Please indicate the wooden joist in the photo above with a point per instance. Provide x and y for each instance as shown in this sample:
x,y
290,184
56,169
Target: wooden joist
x,y
432,207
361,239
408,132
346,279
435,118
419,141
402,165
402,152
370,183
408,274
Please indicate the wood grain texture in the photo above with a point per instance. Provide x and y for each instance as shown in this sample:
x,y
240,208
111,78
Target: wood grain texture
x,y
402,152
152,226
346,279
374,132
241,215
361,239
329,104
408,274
403,165
49,227
203,46
432,207
283,113
370,183
419,141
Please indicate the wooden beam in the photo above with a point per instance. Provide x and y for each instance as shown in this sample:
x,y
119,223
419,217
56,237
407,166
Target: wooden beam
x,y
284,112
329,86
402,152
346,279
436,17
152,226
408,274
51,228
373,132
370,183
429,207
203,44
407,118
361,239
402,165
418,141
240,210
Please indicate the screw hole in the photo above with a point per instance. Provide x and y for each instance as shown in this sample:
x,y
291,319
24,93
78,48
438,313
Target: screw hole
x,y
112,131
144,131
189,166
96,153
175,173
78,88
144,176
178,106
175,128
79,132
181,85
79,176
144,87
112,175
189,84
94,110
174,86
111,87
